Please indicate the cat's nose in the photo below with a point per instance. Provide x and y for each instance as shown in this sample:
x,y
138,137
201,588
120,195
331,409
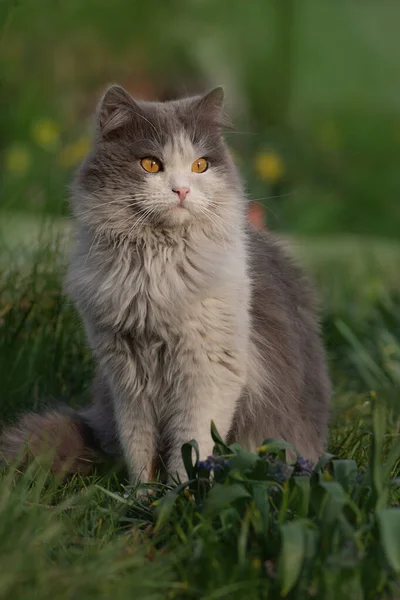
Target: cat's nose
x,y
182,192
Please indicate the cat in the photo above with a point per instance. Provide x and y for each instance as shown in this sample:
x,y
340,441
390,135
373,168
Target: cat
x,y
192,314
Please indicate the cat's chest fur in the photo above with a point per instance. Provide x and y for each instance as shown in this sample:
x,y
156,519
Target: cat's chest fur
x,y
161,285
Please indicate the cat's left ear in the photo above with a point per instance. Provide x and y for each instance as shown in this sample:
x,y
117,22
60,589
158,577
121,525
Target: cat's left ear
x,y
115,110
211,107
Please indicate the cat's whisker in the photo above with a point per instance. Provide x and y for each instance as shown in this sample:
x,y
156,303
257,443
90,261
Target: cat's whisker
x,y
292,193
100,231
218,222
136,223
92,245
140,220
120,210
115,200
95,207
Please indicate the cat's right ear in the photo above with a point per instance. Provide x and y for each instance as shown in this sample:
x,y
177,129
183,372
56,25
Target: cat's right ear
x,y
115,110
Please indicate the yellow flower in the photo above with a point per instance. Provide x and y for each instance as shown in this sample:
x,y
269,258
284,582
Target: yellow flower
x,y
269,166
74,152
46,133
17,160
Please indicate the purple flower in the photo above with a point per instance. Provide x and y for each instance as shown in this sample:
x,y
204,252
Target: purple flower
x,y
277,469
214,463
205,464
302,467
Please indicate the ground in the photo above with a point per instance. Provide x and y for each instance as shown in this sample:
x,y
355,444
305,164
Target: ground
x,y
259,531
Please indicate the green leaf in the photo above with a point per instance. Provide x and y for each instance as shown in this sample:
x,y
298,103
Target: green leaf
x,y
260,498
389,526
311,542
346,529
217,438
300,497
221,496
345,472
164,507
235,448
243,537
345,584
259,471
244,461
377,473
293,548
323,460
334,502
274,446
187,455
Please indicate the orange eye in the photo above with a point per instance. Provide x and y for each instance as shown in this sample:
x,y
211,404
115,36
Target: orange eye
x,y
200,165
151,165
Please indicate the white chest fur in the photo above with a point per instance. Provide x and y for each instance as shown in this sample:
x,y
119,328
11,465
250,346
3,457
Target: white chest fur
x,y
159,281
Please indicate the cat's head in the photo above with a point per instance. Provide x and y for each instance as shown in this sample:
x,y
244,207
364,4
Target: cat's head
x,y
159,164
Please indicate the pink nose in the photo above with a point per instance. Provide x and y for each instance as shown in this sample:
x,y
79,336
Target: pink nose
x,y
182,192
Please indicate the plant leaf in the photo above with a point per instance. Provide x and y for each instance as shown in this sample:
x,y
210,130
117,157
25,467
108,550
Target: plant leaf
x,y
243,537
389,526
345,472
377,474
187,455
217,438
221,496
260,497
300,497
274,446
311,542
164,507
323,460
293,548
244,460
334,503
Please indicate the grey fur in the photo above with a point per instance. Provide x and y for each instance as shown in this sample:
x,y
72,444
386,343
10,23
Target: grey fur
x,y
192,315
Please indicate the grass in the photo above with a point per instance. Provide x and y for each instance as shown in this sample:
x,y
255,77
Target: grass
x,y
258,531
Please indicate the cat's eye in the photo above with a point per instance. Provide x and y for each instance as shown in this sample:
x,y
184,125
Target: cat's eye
x,y
200,165
150,164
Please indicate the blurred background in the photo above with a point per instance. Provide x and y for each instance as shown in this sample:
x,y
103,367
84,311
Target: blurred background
x,y
313,87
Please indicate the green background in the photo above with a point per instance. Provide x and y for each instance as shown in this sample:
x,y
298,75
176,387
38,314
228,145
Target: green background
x,y
314,83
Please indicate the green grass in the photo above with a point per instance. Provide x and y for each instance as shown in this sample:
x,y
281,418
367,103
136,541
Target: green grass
x,y
257,531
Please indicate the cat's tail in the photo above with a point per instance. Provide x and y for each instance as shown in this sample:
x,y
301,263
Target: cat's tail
x,y
61,437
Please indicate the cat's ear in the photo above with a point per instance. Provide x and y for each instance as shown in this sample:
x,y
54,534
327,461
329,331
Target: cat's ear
x,y
115,110
211,107
212,103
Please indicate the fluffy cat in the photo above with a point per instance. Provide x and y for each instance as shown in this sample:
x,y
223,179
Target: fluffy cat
x,y
191,313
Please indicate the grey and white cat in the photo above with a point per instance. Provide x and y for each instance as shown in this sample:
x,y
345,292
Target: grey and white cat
x,y
191,314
